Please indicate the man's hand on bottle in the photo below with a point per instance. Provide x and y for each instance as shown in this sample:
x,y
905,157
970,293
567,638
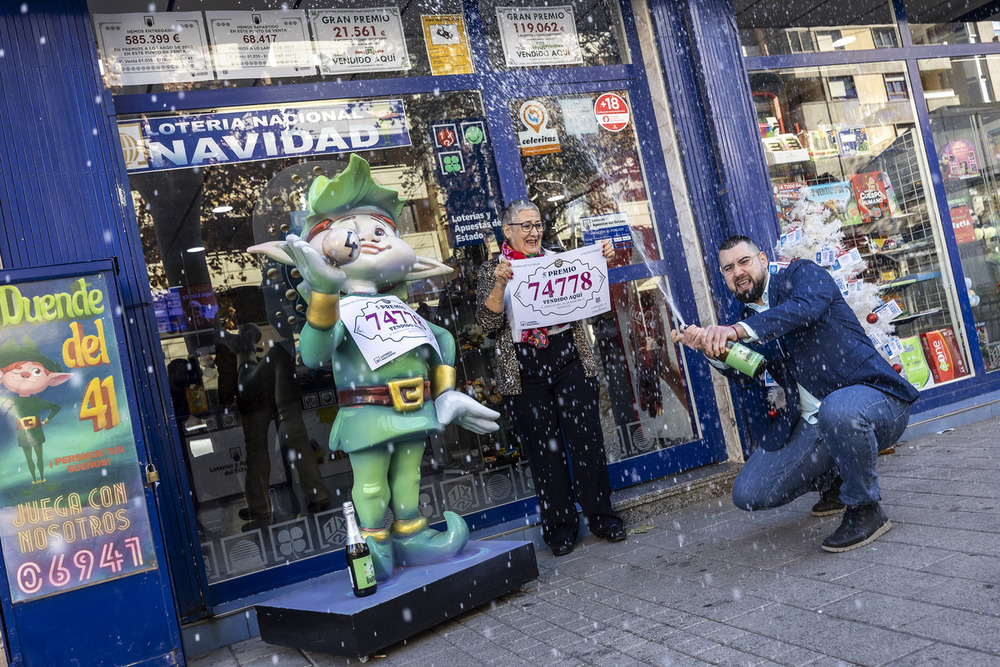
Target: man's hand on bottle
x,y
711,339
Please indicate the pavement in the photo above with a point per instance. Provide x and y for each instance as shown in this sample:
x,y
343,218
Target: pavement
x,y
712,585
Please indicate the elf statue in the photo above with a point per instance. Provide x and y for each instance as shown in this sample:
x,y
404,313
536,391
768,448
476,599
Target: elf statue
x,y
394,371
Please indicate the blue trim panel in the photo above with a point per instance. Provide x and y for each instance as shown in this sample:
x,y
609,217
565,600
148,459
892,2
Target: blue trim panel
x,y
64,192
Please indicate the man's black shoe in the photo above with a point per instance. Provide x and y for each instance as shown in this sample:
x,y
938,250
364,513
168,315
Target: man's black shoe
x,y
862,525
615,534
829,501
562,549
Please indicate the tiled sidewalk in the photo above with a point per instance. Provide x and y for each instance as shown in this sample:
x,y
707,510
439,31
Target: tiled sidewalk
x,y
710,584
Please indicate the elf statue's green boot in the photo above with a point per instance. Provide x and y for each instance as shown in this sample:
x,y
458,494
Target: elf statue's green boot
x,y
416,544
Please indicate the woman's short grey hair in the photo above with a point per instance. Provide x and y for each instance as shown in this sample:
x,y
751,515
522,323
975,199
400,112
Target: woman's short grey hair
x,y
515,207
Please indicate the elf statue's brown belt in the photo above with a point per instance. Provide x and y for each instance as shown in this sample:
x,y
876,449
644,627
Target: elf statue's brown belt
x,y
405,394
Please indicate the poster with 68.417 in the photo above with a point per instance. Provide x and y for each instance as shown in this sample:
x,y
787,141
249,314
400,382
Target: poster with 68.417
x,y
72,505
557,288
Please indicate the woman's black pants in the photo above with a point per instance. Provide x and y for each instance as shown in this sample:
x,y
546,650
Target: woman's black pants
x,y
558,426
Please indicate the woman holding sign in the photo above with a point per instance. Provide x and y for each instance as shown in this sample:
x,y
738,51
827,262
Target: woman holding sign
x,y
548,378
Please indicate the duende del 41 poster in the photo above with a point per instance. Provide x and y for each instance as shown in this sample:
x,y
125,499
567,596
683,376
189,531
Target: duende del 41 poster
x,y
72,507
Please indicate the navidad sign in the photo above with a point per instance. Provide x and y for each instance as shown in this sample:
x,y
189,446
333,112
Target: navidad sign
x,y
72,504
191,140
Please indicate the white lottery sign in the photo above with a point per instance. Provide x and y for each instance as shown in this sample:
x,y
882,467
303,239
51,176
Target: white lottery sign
x,y
558,288
359,40
255,45
384,327
156,47
534,36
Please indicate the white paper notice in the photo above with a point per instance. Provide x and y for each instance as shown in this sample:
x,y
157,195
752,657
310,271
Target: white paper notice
x,y
558,288
534,36
384,328
140,49
264,44
359,40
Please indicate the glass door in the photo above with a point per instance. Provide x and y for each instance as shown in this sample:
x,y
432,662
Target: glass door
x,y
583,168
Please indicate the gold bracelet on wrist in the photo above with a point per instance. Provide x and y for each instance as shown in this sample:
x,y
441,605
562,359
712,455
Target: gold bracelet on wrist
x,y
442,379
323,311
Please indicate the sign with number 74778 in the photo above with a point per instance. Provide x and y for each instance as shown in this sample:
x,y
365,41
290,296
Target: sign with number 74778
x,y
557,288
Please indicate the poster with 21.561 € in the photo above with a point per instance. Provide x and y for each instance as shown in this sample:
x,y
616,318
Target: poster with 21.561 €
x,y
72,507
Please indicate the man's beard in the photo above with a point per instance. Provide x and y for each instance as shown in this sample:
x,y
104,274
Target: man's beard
x,y
754,293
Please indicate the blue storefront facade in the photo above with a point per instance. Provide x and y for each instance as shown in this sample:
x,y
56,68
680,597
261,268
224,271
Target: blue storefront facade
x,y
161,144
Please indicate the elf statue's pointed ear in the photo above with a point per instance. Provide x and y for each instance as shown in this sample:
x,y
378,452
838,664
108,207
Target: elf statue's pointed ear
x,y
427,267
274,250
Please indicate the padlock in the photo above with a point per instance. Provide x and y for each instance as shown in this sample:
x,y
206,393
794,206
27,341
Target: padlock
x,y
152,474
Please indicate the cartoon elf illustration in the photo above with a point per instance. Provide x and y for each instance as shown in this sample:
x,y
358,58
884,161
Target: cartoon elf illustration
x,y
25,371
350,246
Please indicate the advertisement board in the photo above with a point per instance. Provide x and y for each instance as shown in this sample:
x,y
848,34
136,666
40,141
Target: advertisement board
x,y
72,504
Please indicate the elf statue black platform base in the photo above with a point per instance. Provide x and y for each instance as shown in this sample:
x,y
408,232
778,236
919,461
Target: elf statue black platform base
x,y
326,617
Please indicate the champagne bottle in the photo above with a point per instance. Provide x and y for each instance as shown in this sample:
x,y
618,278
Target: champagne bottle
x,y
359,557
743,359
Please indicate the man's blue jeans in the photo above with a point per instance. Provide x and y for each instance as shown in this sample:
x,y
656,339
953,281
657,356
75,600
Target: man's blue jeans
x,y
853,424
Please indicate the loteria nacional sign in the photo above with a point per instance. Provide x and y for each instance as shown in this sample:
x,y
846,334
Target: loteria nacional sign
x,y
72,505
198,139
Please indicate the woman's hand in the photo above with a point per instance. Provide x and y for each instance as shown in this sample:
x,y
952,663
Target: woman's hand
x,y
608,248
503,273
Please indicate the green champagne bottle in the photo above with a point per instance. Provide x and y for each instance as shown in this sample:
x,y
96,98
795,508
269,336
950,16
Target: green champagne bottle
x,y
743,359
359,558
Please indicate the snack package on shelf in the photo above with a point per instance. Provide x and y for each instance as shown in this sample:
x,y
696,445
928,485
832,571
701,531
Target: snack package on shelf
x,y
918,373
943,355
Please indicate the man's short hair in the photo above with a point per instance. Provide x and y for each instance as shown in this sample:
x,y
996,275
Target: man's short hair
x,y
737,239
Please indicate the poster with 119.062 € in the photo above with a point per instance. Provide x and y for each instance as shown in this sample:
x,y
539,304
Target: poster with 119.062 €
x,y
72,506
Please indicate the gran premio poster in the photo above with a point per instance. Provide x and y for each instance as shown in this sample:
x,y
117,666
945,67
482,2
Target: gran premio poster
x,y
72,507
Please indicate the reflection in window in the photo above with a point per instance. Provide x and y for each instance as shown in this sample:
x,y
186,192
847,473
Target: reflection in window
x,y
895,87
774,27
967,22
583,169
844,137
965,123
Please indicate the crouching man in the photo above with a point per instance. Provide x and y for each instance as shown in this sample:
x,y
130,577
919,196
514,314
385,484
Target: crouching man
x,y
845,401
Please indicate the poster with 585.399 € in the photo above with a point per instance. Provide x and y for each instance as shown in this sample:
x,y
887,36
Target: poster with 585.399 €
x,y
72,506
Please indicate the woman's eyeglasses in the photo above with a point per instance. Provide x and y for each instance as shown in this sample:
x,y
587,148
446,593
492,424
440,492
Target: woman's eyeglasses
x,y
528,226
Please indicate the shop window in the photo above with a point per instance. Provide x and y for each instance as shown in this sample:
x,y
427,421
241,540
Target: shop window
x,y
859,159
965,124
774,27
842,87
531,33
202,197
953,22
167,47
884,38
582,167
800,41
895,87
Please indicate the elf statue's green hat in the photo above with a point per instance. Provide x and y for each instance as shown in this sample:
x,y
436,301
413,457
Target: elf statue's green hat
x,y
12,353
353,189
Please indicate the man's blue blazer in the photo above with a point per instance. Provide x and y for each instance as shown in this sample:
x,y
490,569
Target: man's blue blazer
x,y
810,335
